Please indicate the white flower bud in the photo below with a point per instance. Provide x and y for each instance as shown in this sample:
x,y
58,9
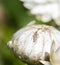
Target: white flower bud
x,y
42,7
33,43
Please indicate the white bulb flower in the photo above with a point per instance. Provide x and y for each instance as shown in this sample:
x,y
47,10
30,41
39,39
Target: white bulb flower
x,y
33,44
44,10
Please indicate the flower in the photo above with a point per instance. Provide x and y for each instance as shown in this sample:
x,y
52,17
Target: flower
x,y
44,10
33,43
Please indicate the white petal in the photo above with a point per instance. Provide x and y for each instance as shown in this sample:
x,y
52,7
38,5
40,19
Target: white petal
x,y
57,21
46,18
29,5
45,62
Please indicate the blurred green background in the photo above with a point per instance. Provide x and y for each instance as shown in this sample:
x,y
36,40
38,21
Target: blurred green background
x,y
13,16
